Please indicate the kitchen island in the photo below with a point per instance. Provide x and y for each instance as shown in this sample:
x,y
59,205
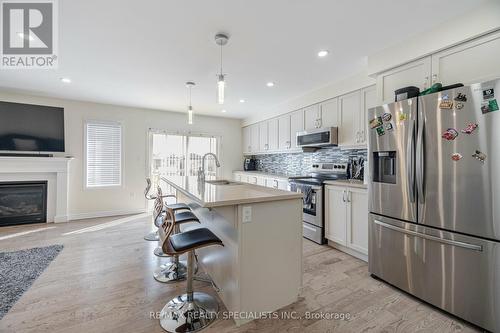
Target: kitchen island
x,y
259,269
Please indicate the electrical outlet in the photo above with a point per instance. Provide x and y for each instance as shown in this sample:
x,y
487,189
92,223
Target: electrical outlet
x,y
247,214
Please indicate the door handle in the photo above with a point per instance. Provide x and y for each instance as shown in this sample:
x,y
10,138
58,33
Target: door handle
x,y
410,162
420,163
429,237
348,196
343,195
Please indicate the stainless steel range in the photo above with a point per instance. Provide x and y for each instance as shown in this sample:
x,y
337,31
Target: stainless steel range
x,y
312,186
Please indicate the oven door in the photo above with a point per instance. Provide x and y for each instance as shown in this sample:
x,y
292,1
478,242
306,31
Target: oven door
x,y
312,206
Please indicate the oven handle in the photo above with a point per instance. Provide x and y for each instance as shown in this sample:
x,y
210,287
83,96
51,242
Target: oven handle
x,y
429,237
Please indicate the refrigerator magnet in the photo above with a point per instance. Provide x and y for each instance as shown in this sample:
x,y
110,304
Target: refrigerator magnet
x,y
387,116
388,127
488,94
374,123
461,97
456,157
403,116
459,105
445,97
478,155
489,106
450,134
380,130
446,104
470,128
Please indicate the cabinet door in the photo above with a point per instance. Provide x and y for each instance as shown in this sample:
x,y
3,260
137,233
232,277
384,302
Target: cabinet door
x,y
312,117
261,181
369,98
284,141
247,142
263,136
237,177
471,62
336,214
254,137
357,220
296,125
350,110
329,113
416,74
272,133
283,185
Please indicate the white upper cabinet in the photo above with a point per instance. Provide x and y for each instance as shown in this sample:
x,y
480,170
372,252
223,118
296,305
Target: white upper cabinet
x,y
369,100
284,138
263,136
350,113
417,73
247,142
471,62
296,125
272,134
312,117
254,138
329,111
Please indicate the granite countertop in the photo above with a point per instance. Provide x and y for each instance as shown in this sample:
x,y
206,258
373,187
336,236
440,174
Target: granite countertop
x,y
211,195
347,182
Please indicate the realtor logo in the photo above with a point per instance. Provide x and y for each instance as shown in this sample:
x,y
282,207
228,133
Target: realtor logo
x,y
29,34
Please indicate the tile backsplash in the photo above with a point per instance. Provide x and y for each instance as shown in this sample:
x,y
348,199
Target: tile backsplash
x,y
300,163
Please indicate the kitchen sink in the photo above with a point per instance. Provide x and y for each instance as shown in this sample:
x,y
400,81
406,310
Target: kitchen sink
x,y
221,182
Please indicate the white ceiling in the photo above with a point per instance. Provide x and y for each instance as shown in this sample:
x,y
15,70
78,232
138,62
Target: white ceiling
x,y
140,53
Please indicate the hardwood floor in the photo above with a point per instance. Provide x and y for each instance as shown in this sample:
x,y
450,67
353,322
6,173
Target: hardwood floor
x,y
102,282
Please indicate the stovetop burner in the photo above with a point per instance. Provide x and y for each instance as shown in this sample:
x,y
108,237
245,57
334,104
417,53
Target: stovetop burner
x,y
321,172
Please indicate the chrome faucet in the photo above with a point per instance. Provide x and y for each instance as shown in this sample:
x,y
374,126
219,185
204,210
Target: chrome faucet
x,y
201,171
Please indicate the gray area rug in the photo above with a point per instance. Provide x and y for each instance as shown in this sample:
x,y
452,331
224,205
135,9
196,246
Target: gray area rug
x,y
18,271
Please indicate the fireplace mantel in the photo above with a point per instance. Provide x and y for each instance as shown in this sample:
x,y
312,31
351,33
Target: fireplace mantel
x,y
53,169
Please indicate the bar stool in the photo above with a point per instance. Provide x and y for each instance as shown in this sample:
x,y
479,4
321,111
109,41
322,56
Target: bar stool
x,y
153,235
191,311
175,270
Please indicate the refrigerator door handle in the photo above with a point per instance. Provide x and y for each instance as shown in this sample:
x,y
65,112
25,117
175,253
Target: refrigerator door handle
x,y
410,162
420,166
429,237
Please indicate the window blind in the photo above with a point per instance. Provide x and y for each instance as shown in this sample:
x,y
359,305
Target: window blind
x,y
104,154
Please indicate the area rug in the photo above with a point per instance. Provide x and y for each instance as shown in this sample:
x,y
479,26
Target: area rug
x,y
18,271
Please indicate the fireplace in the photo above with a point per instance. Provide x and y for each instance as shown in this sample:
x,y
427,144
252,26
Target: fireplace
x,y
23,202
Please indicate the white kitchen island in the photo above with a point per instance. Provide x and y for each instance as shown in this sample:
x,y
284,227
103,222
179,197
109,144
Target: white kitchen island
x,y
259,269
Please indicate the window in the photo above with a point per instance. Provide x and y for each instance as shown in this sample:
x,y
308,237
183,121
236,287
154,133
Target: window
x,y
103,154
181,155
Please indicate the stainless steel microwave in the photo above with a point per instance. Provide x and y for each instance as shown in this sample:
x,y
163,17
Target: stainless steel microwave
x,y
319,137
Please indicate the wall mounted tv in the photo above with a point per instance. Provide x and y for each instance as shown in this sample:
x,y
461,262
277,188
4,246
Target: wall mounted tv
x,y
31,128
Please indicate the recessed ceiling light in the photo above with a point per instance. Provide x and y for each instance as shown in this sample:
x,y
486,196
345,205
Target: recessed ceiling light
x,y
65,80
323,53
23,36
223,111
242,101
270,84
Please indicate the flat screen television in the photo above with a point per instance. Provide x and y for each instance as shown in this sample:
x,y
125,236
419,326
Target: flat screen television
x,y
31,128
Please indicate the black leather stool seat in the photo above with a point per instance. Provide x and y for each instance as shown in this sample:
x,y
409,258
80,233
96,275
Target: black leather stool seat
x,y
181,217
177,206
193,239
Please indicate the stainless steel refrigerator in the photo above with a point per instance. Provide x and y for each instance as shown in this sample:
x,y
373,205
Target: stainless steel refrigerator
x,y
434,191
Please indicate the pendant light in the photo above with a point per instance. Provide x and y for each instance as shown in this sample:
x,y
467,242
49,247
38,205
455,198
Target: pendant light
x,y
221,40
190,85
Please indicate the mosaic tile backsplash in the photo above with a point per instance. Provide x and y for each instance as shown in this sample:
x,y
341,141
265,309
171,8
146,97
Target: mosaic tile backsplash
x,y
300,163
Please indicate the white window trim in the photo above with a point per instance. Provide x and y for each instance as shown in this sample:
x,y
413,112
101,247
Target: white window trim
x,y
152,130
105,122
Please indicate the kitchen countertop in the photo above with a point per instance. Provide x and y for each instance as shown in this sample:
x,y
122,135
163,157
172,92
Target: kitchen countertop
x,y
210,195
268,174
347,182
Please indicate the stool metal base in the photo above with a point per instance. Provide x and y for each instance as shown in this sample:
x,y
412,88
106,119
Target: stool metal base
x,y
159,252
181,315
171,272
152,236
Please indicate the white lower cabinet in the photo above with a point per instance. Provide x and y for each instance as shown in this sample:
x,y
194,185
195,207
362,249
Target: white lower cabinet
x,y
278,183
346,218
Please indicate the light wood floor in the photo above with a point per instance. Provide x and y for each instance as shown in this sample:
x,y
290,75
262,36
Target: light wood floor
x,y
102,282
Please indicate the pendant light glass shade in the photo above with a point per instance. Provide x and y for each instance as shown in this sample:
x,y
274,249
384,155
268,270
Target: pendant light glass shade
x,y
190,115
190,85
221,85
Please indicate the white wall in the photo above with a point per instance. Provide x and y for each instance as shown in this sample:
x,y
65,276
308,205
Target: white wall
x,y
361,80
136,122
477,22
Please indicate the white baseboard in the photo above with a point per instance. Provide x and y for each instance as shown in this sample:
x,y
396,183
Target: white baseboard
x,y
92,215
349,251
